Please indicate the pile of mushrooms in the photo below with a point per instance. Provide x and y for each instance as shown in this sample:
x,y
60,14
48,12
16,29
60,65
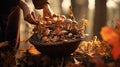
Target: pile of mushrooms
x,y
57,28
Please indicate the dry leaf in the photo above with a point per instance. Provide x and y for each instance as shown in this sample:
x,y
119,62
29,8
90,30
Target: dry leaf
x,y
109,35
112,38
33,50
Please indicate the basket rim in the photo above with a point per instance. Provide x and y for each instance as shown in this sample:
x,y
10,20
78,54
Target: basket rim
x,y
55,43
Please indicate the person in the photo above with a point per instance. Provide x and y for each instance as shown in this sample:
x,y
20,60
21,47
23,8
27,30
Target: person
x,y
10,23
10,20
9,28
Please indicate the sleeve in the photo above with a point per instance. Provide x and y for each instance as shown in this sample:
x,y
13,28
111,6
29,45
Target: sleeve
x,y
23,5
38,4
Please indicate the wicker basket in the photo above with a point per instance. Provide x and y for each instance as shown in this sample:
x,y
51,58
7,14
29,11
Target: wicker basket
x,y
62,48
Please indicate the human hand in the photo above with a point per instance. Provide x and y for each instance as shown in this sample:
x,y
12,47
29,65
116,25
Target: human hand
x,y
47,11
31,18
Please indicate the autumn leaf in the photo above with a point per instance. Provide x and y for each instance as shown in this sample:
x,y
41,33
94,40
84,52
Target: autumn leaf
x,y
116,52
33,50
109,35
112,38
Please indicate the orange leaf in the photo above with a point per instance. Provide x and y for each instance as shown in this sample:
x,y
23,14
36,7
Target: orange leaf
x,y
33,50
109,35
113,38
116,52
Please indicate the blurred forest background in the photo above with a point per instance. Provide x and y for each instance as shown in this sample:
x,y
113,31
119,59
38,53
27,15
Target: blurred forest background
x,y
98,12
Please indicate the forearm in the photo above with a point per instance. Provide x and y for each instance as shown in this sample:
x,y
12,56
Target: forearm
x,y
24,7
39,3
28,15
47,11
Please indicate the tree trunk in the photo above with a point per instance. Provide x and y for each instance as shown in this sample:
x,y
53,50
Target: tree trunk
x,y
80,8
100,16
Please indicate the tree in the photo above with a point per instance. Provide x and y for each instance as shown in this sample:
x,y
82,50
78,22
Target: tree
x,y
80,8
100,17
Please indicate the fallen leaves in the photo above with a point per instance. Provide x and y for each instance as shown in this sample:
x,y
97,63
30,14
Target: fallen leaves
x,y
2,44
33,50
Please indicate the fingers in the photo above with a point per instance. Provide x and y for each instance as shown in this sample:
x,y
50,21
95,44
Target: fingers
x,y
47,11
31,19
32,13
